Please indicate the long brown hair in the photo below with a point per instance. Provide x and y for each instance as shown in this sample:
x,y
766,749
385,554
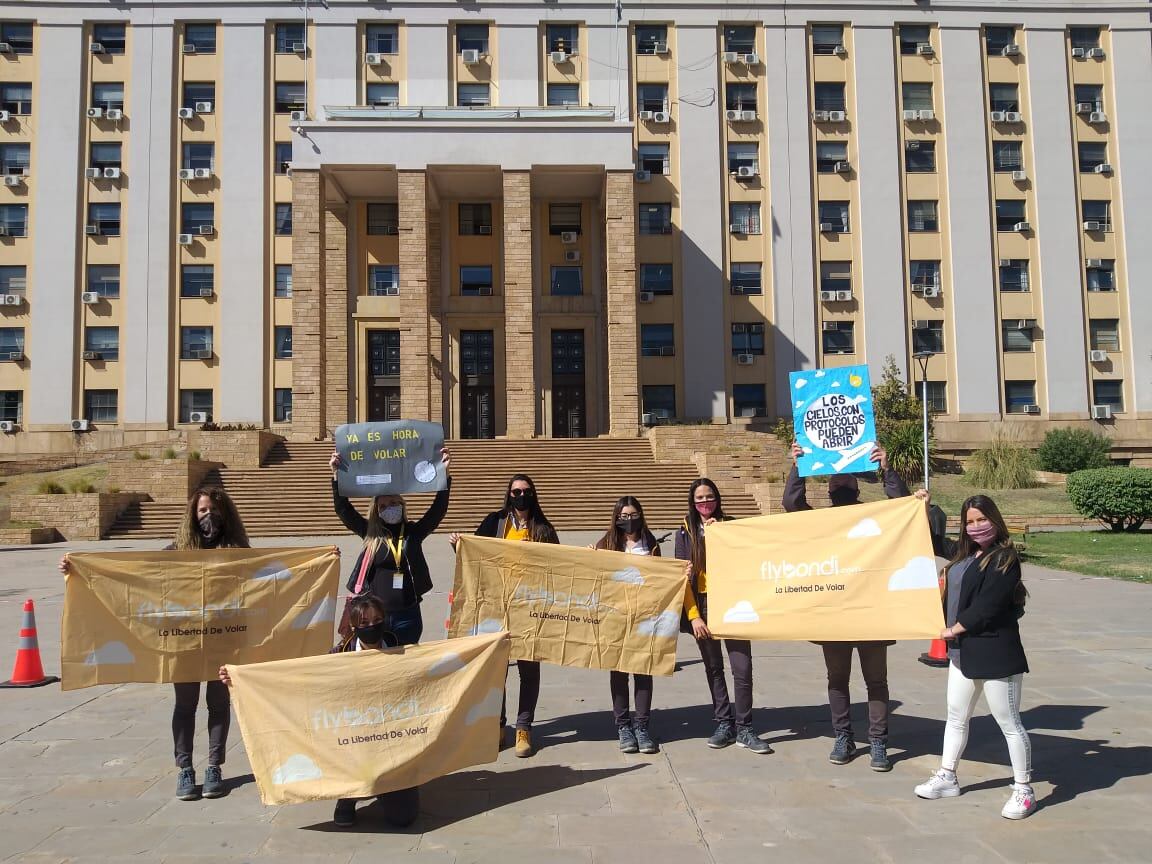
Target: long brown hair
x,y
1002,549
694,525
540,530
378,529
615,539
232,533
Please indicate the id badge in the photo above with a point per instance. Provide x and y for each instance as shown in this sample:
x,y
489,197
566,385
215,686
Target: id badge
x,y
398,581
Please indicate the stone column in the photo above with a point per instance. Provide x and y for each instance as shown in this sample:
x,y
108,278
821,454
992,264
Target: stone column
x,y
308,225
412,195
336,316
520,376
623,341
435,319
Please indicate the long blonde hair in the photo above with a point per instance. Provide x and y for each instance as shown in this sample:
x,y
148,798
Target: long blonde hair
x,y
232,533
376,532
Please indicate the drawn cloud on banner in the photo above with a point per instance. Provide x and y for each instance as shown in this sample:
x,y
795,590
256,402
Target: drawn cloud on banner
x,y
630,575
296,768
110,654
918,573
488,625
800,382
865,528
487,707
323,611
273,572
666,624
446,665
741,613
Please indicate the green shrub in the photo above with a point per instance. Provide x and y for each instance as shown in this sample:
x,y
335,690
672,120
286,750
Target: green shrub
x,y
1121,498
113,489
904,442
783,432
50,487
194,455
900,424
79,487
1003,464
141,456
1067,450
169,453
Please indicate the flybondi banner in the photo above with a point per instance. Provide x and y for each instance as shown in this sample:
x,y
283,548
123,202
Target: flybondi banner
x,y
163,617
571,606
856,573
364,723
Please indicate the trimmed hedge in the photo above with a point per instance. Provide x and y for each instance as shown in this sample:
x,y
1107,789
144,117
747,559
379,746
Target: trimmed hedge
x,y
1121,498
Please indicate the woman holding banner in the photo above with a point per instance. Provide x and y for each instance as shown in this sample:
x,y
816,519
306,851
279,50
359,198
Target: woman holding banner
x,y
520,519
704,508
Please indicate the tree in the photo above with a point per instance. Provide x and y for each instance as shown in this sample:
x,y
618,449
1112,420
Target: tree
x,y
899,423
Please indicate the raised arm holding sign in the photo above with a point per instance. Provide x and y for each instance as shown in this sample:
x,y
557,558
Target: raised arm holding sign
x,y
395,458
834,423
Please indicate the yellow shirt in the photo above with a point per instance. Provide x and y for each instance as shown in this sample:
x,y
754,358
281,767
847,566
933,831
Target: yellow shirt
x,y
690,607
511,532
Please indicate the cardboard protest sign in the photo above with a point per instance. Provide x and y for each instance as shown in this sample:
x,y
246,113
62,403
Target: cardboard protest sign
x,y
833,420
363,723
393,458
571,606
836,574
160,617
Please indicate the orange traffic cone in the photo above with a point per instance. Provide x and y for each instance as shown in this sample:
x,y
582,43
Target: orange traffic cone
x,y
29,671
448,620
936,655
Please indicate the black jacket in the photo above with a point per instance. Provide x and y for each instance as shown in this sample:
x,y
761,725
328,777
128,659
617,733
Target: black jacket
x,y
412,559
494,523
990,645
796,488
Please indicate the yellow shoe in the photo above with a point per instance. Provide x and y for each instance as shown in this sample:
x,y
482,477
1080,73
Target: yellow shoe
x,y
524,747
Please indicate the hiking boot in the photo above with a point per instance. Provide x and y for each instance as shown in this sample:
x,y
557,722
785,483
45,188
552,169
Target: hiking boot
x,y
751,742
644,740
524,747
940,785
723,736
344,816
1021,804
879,761
501,737
628,742
844,750
186,785
213,782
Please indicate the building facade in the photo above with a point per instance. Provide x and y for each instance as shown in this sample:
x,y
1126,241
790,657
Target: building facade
x,y
571,219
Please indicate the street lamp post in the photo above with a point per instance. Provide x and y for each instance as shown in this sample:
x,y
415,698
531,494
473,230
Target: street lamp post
x,y
921,358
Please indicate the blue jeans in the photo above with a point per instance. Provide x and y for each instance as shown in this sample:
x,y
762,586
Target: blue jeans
x,y
406,625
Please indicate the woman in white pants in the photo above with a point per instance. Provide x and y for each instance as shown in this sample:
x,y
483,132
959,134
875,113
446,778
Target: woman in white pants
x,y
983,602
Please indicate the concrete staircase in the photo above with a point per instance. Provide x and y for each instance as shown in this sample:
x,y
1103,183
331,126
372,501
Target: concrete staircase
x,y
578,481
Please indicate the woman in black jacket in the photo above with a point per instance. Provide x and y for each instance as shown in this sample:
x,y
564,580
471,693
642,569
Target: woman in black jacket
x,y
391,564
983,602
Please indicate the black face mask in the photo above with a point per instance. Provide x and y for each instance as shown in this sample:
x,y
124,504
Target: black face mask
x,y
840,497
372,634
628,524
523,502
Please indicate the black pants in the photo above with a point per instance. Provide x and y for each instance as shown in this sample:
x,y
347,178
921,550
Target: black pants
x,y
184,721
618,684
529,695
874,666
740,656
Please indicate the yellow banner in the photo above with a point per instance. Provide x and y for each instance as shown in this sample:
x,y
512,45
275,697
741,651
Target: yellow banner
x,y
571,606
159,617
364,723
837,574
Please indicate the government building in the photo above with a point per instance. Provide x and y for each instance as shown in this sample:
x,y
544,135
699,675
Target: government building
x,y
551,219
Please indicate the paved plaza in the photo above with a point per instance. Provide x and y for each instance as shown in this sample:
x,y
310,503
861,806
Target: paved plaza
x,y
88,775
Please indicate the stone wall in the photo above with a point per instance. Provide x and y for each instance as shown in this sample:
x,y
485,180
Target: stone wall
x,y
26,536
169,481
85,516
245,449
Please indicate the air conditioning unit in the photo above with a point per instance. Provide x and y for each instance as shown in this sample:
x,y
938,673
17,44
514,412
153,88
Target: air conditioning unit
x,y
921,324
1010,50
484,291
1097,356
1096,53
997,116
7,426
837,116
114,114
185,113
927,114
112,173
470,56
79,425
203,173
745,171
825,227
89,298
751,59
95,48
747,116
745,359
667,351
93,355
13,180
830,325
186,174
188,48
925,49
3,231
1031,409
373,59
1085,107
1097,117
198,417
840,51
660,48
738,228
207,230
645,115
95,113
1019,176
200,354
184,239
1091,225
730,57
930,292
842,167
1026,324
1101,412
569,236
11,299
299,47
827,296
1103,168
298,116
1012,116
484,230
911,145
819,116
911,115
1005,262
1094,262
558,57
572,256
843,296
647,296
93,173
205,292
203,107
5,48
732,115
1022,226
5,116
661,117
92,230
649,419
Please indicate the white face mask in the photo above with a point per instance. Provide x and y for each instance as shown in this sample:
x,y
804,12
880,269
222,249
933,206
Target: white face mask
x,y
392,514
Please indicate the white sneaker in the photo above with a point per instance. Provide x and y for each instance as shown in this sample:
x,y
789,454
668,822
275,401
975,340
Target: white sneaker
x,y
1021,804
939,785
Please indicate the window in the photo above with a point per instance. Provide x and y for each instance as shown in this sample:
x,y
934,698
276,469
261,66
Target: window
x,y
384,353
1018,395
11,342
11,404
106,218
1098,211
18,35
923,274
563,218
201,38
197,280
928,336
1101,277
919,157
195,343
740,97
651,39
743,154
108,95
472,37
916,97
1091,154
1109,393
829,96
657,340
281,156
659,400
198,91
828,153
111,36
1104,334
14,279
383,218
996,39
197,217
1014,275
567,282
652,97
748,400
1085,38
290,96
282,342
105,154
1089,94
834,215
923,216
748,338
15,158
198,154
14,219
564,37
655,218
1010,213
16,98
1007,156
283,281
195,402
744,217
105,341
656,278
826,38
1015,337
382,38
563,94
1003,97
912,36
835,275
747,277
937,396
740,39
475,219
289,37
652,158
283,220
476,280
475,95
385,95
384,280
842,340
282,405
100,406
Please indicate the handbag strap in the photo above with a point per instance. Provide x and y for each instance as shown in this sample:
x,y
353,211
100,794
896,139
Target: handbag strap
x,y
367,559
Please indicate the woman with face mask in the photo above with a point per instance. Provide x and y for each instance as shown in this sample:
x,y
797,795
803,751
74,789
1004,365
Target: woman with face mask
x,y
391,564
983,602
521,520
704,508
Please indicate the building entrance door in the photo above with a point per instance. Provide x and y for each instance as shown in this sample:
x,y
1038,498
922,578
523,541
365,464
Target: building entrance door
x,y
569,419
384,375
478,392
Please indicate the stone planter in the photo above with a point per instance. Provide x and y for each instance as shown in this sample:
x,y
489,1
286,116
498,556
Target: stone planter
x,y
84,516
169,481
26,536
245,449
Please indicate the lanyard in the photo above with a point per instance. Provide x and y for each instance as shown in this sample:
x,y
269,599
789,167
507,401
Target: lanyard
x,y
397,548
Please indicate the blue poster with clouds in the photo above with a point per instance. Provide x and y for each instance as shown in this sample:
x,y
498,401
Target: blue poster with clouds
x,y
833,419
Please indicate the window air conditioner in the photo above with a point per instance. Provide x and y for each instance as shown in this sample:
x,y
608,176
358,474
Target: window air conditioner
x,y
7,426
911,115
1019,176
92,230
299,116
659,47
203,173
745,359
1096,53
93,355
558,57
95,48
95,113
185,174
185,113
1101,412
5,48
1025,323
1005,262
730,57
184,239
738,228
188,48
647,296
843,296
1022,226
4,231
484,230
90,298
1091,225
203,107
840,51
745,171
1094,262
645,115
114,114
200,354
925,49
572,256
1085,107
1010,50
827,296
569,236
842,167
997,116
93,173
207,230
198,417
373,59
79,425
826,227
1103,168
1097,356
830,325
299,47
470,56
921,324
661,117
747,116
1097,117
205,292
1078,53
911,145
1031,409
930,292
484,291
927,114
649,419
751,59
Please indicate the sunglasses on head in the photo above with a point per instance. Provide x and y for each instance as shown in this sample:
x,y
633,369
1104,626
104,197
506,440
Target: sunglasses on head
x,y
516,493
